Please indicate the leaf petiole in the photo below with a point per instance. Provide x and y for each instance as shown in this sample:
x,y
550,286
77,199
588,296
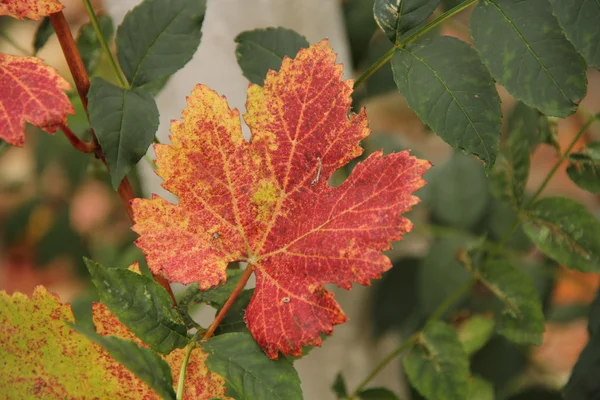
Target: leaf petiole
x,y
414,36
111,59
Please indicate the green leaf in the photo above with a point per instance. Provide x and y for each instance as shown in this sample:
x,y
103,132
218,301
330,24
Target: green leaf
x,y
579,20
125,122
459,181
512,169
261,50
583,383
448,87
437,366
158,37
396,17
475,332
566,232
42,34
522,318
441,274
144,363
234,319
524,48
248,370
88,44
479,389
584,168
395,303
214,297
339,386
377,394
142,305
360,27
485,363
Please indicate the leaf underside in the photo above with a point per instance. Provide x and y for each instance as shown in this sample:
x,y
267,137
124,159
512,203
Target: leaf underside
x,y
33,9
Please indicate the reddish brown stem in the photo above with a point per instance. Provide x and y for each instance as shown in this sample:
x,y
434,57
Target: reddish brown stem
x,y
69,48
80,76
84,147
238,289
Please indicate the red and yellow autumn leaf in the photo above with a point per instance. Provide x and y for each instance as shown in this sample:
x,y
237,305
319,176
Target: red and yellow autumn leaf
x,y
30,92
42,357
33,9
268,202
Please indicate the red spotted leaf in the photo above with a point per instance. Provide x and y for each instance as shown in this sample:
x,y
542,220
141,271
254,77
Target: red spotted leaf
x,y
41,357
33,9
268,202
30,92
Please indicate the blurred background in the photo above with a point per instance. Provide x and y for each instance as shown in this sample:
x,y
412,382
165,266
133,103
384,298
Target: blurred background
x,y
56,205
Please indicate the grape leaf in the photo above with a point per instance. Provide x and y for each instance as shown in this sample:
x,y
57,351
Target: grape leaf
x,y
268,202
41,356
33,92
33,9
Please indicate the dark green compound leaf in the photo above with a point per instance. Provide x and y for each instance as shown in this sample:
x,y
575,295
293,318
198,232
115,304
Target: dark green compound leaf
x,y
261,50
584,168
579,20
566,232
460,180
524,48
445,83
512,169
88,44
583,383
437,366
142,305
125,121
480,389
339,386
377,394
42,34
475,332
396,17
158,37
522,318
248,370
441,274
144,363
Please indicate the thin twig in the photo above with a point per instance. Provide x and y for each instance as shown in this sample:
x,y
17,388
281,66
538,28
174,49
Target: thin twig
x,y
84,147
234,294
183,370
80,76
414,36
111,59
69,48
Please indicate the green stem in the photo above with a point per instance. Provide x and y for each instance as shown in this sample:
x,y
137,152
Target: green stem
x,y
411,340
540,189
182,373
96,25
418,33
454,296
560,160
383,363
